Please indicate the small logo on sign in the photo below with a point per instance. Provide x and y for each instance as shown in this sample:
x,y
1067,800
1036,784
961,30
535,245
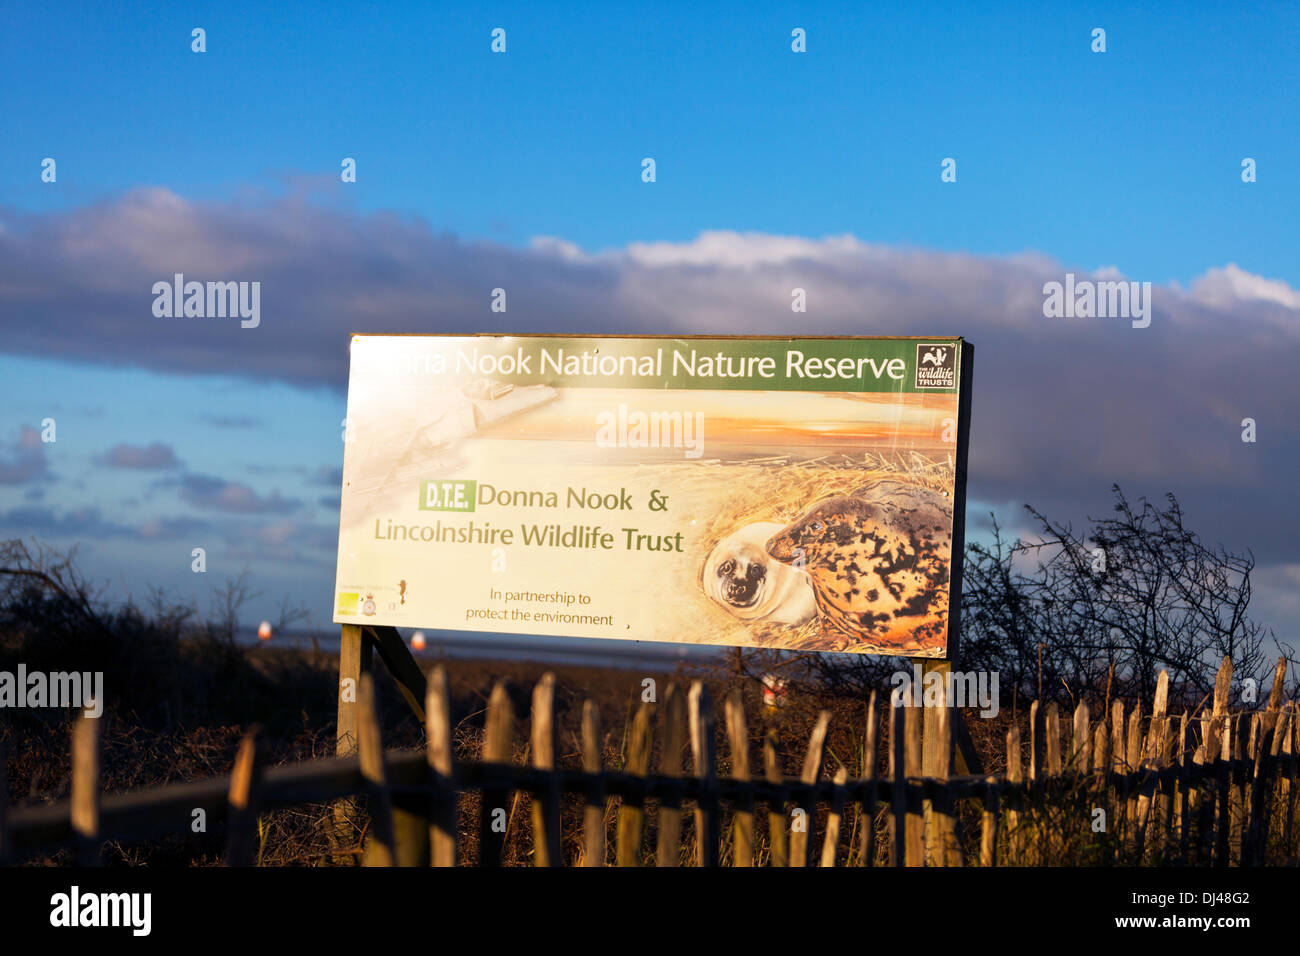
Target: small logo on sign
x,y
936,366
442,495
368,606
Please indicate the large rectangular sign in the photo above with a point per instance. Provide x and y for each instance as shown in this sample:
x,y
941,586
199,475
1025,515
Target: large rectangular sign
x,y
794,493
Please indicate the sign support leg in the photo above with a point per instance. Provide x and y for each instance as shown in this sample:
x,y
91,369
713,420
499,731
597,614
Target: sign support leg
x,y
966,759
356,655
354,660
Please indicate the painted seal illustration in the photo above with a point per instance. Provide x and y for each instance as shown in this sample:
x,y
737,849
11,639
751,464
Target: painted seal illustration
x,y
740,576
878,560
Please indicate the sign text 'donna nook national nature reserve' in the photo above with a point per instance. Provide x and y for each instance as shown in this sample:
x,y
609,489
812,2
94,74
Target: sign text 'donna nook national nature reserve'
x,y
794,493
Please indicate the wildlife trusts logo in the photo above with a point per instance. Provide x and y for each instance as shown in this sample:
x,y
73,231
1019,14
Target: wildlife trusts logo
x,y
211,300
936,365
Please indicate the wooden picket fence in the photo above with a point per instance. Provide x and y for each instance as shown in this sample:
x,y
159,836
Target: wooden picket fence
x,y
1216,788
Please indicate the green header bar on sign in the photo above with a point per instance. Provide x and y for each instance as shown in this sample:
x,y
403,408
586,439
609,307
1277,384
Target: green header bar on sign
x,y
849,364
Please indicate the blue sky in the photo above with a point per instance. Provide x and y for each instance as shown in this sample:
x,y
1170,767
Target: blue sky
x,y
1128,159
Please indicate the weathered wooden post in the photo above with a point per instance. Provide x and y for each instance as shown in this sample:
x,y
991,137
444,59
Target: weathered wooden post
x,y
442,822
869,786
946,850
1016,801
898,780
380,848
354,660
85,792
593,813
245,798
546,802
776,821
669,843
742,825
801,835
708,831
631,813
498,743
830,845
989,829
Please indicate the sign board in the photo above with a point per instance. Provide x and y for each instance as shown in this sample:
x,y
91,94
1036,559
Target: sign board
x,y
794,493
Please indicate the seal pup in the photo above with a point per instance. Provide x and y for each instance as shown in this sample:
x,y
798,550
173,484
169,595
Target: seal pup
x,y
740,577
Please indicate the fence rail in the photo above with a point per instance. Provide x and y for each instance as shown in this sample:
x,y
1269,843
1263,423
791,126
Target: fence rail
x,y
1216,788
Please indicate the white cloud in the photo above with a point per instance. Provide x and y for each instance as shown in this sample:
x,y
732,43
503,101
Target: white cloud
x,y
1224,287
1062,407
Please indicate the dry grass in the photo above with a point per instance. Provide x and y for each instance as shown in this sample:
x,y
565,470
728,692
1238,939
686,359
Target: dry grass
x,y
1057,834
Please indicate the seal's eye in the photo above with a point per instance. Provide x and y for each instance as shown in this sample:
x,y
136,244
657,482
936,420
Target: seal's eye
x,y
726,567
817,526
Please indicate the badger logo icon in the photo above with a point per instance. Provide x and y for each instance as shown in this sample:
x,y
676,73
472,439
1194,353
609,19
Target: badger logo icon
x,y
936,365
